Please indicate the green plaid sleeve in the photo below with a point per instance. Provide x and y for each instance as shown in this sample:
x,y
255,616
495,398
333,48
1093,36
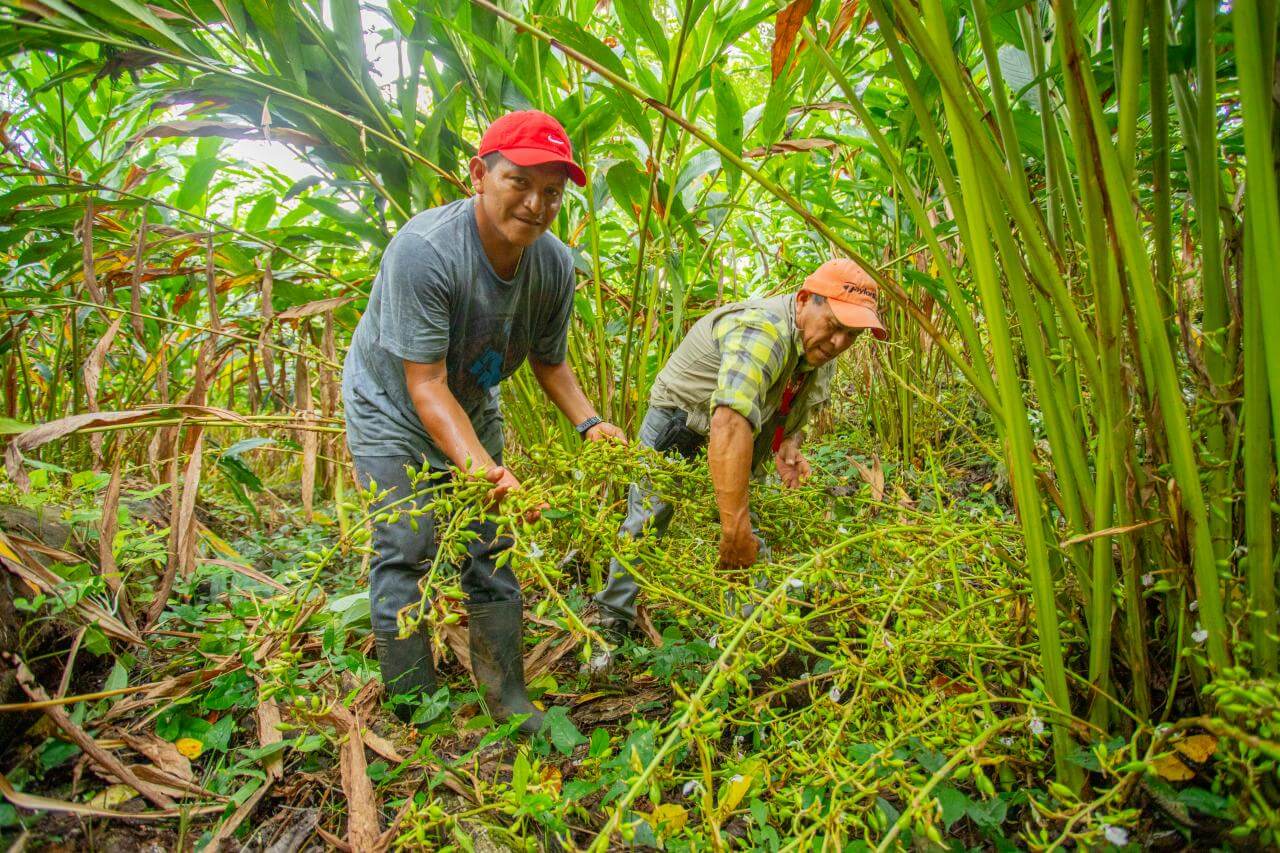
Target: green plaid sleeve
x,y
753,351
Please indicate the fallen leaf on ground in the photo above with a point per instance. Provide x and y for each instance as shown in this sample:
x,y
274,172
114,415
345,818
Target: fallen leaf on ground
x,y
1171,769
189,746
1199,748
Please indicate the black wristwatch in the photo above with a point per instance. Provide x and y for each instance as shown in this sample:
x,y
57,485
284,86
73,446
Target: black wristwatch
x,y
583,427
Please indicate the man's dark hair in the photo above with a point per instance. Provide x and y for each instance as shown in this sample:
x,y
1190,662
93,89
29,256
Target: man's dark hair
x,y
492,159
817,298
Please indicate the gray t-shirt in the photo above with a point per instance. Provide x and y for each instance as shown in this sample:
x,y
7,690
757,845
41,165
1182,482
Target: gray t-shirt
x,y
437,297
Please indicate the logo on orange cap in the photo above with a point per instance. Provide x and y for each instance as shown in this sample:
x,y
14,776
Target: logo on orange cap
x,y
851,293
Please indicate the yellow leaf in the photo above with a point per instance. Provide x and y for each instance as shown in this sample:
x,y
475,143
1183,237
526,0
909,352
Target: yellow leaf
x,y
551,779
738,787
220,545
189,746
668,818
1171,768
113,796
1199,748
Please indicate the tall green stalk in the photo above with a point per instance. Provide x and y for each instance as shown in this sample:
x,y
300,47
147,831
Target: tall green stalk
x,y
1017,433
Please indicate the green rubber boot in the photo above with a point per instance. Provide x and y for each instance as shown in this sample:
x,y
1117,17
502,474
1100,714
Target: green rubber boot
x,y
497,661
407,667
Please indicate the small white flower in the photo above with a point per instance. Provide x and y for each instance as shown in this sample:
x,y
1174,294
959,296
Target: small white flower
x,y
535,551
1148,579
1006,740
888,644
737,777
690,788
937,587
1117,835
1036,725
1199,635
842,530
715,638
796,583
834,694
578,474
1194,605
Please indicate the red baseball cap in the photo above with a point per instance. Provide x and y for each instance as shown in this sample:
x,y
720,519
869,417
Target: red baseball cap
x,y
850,292
531,138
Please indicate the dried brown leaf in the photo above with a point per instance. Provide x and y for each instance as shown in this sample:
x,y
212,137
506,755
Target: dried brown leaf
x,y
791,146
182,529
107,530
161,753
226,130
42,579
361,800
268,714
99,756
873,475
786,27
34,802
310,309
93,364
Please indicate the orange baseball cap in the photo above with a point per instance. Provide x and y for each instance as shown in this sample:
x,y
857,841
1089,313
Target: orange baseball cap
x,y
850,292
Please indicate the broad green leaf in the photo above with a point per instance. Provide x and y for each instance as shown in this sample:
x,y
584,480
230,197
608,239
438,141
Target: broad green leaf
x,y
629,188
260,214
954,804
24,194
560,729
143,13
192,192
728,122
638,19
697,166
1015,65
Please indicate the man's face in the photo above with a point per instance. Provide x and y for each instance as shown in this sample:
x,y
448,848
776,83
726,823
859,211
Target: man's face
x,y
824,336
519,202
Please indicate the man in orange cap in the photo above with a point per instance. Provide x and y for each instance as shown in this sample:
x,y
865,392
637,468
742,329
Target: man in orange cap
x,y
743,382
464,293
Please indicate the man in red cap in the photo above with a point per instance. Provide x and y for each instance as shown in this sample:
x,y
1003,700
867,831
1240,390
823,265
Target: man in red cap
x,y
464,294
743,382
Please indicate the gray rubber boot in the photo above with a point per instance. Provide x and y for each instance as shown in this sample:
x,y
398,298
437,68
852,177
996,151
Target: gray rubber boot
x,y
407,667
497,661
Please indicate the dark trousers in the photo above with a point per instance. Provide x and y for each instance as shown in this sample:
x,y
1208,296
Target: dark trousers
x,y
402,556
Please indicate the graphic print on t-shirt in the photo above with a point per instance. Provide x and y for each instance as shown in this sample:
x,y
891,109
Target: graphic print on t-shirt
x,y
483,354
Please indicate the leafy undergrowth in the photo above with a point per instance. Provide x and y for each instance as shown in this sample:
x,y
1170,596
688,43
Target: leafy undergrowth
x,y
875,684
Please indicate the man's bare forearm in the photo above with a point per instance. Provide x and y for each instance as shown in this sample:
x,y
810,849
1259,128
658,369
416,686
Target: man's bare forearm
x,y
561,387
729,454
443,417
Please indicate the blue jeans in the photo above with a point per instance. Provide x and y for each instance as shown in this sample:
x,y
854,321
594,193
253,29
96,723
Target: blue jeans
x,y
402,555
646,513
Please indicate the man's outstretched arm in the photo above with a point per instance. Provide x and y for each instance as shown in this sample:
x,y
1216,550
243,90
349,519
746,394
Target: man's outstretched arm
x,y
561,386
448,425
729,454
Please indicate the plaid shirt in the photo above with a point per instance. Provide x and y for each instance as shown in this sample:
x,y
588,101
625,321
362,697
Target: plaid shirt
x,y
753,352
